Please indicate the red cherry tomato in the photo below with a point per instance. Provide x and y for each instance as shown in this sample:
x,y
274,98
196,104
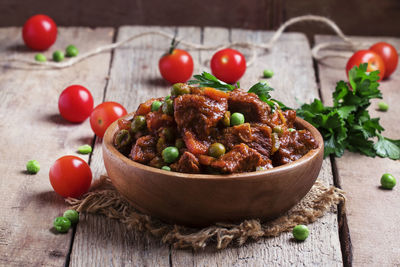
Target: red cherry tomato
x,y
75,103
105,114
39,32
176,67
228,65
70,176
389,55
375,62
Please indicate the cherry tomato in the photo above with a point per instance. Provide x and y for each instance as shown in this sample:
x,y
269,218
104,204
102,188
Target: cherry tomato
x,y
375,62
389,55
39,32
177,66
70,176
105,114
75,103
228,65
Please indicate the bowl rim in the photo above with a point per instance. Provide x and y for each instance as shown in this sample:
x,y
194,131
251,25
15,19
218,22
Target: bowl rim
x,y
107,143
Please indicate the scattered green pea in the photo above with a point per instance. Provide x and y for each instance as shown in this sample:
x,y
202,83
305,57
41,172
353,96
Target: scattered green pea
x,y
268,73
33,166
170,154
237,118
71,51
291,130
72,215
179,143
180,89
58,56
169,134
383,106
122,139
216,150
155,105
85,149
139,123
62,224
388,181
165,168
260,168
300,232
40,57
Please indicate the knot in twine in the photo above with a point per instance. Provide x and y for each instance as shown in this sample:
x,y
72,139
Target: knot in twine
x,y
105,200
346,43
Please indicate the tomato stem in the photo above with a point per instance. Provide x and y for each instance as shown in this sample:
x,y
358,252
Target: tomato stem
x,y
174,44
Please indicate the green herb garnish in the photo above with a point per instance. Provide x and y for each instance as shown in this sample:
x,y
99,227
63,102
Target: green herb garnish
x,y
347,124
208,80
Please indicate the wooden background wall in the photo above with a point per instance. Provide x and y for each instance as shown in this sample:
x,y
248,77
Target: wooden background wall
x,y
355,17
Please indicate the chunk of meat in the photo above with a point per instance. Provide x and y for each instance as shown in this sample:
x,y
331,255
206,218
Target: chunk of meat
x,y
187,163
240,159
256,136
280,117
292,146
144,150
253,109
198,113
157,162
155,120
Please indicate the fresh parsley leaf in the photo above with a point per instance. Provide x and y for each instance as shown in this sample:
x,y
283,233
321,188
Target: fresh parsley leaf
x,y
208,80
262,90
386,148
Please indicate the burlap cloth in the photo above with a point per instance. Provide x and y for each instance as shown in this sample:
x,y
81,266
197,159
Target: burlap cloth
x,y
104,199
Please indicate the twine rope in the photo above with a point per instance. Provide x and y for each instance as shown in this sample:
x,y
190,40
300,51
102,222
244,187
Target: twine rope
x,y
347,43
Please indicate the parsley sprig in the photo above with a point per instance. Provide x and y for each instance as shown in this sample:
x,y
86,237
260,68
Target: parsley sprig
x,y
347,124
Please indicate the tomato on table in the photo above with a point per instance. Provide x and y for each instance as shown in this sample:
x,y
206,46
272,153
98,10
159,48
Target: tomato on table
x,y
389,55
176,66
70,176
375,62
75,103
105,114
228,65
39,32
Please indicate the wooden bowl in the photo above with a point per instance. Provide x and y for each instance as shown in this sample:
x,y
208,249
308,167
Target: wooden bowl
x,y
203,199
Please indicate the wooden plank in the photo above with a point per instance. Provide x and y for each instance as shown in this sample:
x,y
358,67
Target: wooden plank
x,y
31,128
294,77
134,78
372,222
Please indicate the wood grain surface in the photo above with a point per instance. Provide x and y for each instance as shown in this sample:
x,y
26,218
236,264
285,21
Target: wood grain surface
x,y
31,128
372,213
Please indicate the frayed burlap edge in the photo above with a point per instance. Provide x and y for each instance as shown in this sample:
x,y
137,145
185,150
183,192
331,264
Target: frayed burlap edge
x,y
104,199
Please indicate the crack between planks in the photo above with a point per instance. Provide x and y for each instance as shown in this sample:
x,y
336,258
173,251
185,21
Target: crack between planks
x,y
68,257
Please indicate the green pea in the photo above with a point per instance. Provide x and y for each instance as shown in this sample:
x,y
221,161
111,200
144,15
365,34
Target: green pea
x,y
291,130
300,232
72,215
226,120
278,129
85,149
260,168
388,181
33,166
71,51
180,89
383,106
169,134
237,119
40,57
156,105
268,73
122,139
170,154
161,144
165,168
216,150
62,224
139,123
58,56
179,143
168,107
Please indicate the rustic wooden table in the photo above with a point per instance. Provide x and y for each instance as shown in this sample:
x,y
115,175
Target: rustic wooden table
x,y
31,128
